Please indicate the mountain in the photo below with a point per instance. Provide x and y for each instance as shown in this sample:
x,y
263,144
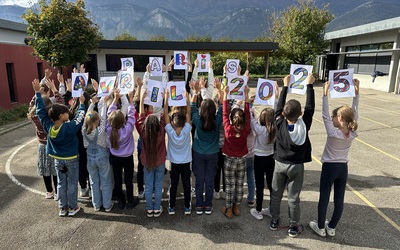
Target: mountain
x,y
237,19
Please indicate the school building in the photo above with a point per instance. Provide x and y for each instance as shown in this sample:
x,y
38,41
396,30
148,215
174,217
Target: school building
x,y
372,49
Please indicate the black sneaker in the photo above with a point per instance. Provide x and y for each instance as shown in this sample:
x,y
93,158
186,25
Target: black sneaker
x,y
121,205
295,230
274,225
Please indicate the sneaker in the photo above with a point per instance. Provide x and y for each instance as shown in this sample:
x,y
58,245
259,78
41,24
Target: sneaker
x,y
121,205
150,213
320,231
74,211
110,208
330,231
217,195
295,230
208,210
274,224
85,192
171,210
157,213
187,210
199,210
97,209
63,212
256,214
55,197
141,194
251,203
132,203
266,212
49,195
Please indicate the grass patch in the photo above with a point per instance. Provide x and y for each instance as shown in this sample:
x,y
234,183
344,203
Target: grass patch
x,y
14,114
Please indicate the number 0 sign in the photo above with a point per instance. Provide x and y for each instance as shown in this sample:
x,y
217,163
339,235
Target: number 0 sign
x,y
341,83
265,92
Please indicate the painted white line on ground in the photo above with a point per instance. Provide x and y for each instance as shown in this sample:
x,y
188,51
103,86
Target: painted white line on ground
x,y
11,176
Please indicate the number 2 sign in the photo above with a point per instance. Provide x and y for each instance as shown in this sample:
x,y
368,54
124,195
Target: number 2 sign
x,y
236,87
341,83
299,74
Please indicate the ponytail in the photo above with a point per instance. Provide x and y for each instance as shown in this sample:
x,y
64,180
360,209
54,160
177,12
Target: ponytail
x,y
353,125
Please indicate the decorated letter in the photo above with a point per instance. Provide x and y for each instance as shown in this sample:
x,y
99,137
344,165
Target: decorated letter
x,y
106,84
181,58
154,97
203,60
176,93
232,66
125,81
126,63
79,82
156,66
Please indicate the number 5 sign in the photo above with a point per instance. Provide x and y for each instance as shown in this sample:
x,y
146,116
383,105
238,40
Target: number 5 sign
x,y
341,83
236,87
299,73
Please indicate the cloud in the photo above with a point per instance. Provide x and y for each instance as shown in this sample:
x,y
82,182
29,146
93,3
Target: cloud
x,y
23,3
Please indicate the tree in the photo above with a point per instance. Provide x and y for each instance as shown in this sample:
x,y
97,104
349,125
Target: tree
x,y
60,33
158,38
125,36
299,31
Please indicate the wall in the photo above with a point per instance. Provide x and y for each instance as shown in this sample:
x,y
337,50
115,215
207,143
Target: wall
x,y
25,70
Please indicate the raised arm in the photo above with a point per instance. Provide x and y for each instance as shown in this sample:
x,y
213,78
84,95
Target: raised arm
x,y
166,115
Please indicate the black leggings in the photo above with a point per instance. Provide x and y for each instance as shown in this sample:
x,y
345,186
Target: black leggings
x,y
47,183
263,165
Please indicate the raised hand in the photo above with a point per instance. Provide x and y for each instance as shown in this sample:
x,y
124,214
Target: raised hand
x,y
36,85
210,64
69,84
82,68
196,63
116,95
60,78
130,95
356,85
75,70
47,73
95,84
95,99
164,68
286,80
202,82
326,87
51,85
310,79
148,68
217,84
82,99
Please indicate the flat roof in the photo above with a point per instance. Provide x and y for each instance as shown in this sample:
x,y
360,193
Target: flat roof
x,y
384,25
10,25
190,46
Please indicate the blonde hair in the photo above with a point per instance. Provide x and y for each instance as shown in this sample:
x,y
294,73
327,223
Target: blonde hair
x,y
348,115
90,119
116,121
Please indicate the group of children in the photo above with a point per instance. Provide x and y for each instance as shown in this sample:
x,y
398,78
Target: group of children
x,y
272,147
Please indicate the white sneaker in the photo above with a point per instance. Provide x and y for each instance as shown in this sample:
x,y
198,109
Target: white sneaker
x,y
330,231
49,195
55,197
320,231
157,213
141,195
217,195
256,214
110,208
266,212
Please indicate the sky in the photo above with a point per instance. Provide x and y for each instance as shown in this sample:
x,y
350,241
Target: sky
x,y
24,3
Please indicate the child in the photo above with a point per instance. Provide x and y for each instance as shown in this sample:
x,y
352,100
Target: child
x,y
119,132
45,163
340,128
264,162
62,145
95,142
292,150
237,128
179,153
153,157
207,124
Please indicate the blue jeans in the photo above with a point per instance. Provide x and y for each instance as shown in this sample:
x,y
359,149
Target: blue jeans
x,y
67,177
99,169
250,178
204,168
153,180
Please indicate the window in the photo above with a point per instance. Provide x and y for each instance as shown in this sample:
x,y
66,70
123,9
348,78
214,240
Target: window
x,y
369,47
369,62
352,48
10,77
383,46
113,62
40,71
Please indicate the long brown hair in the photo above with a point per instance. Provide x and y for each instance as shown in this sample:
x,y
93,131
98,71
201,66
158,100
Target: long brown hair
x,y
348,115
32,110
207,115
238,119
90,119
151,129
267,120
117,121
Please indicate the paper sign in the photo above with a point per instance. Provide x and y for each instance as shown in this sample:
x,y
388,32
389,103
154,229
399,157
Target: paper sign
x,y
341,83
203,60
106,84
155,90
176,93
79,82
125,81
265,92
232,66
156,66
299,74
180,57
127,63
236,87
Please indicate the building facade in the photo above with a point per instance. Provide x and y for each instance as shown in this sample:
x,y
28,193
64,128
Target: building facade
x,y
372,49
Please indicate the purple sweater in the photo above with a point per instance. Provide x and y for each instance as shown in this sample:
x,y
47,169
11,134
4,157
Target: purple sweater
x,y
126,142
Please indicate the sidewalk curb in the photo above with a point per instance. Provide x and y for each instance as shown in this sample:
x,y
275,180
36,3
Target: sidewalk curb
x,y
19,125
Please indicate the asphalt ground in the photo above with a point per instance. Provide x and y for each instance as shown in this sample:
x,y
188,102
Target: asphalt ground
x,y
370,220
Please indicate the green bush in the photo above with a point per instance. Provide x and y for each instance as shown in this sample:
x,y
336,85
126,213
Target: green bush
x,y
14,114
